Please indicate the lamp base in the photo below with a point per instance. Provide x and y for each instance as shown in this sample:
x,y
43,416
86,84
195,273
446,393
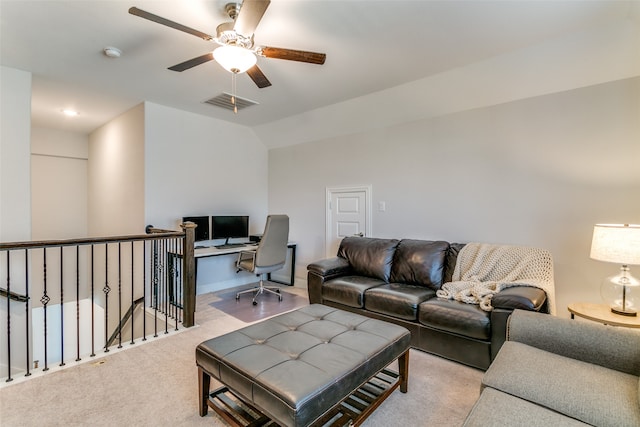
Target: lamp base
x,y
624,312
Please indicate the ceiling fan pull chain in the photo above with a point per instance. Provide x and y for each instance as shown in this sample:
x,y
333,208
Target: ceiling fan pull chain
x,y
233,93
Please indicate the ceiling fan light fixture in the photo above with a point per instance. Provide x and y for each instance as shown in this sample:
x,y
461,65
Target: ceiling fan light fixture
x,y
234,59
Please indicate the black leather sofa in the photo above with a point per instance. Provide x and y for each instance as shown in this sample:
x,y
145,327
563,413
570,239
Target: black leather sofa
x,y
396,280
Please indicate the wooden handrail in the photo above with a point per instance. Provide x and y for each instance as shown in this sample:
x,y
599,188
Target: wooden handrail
x,y
14,296
124,320
89,240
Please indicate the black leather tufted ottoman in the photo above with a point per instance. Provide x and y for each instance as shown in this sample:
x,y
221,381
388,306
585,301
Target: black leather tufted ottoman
x,y
297,368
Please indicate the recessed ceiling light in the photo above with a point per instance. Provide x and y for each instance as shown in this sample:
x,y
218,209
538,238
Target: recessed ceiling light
x,y
70,113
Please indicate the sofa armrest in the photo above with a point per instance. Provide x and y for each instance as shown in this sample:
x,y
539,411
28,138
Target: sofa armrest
x,y
522,297
335,266
609,346
321,271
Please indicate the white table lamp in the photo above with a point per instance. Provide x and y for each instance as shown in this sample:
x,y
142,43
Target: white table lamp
x,y
620,244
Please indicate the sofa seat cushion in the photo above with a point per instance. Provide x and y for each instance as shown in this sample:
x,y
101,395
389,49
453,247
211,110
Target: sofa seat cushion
x,y
397,299
495,408
457,317
590,393
349,290
419,262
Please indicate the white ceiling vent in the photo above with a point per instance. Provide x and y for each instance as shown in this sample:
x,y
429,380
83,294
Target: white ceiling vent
x,y
224,101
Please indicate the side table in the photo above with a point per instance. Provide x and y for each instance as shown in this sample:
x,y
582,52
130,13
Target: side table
x,y
602,313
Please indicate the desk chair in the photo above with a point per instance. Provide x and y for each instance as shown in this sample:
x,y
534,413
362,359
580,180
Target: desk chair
x,y
270,255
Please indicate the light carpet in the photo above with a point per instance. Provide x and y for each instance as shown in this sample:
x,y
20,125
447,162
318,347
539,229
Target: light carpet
x,y
155,384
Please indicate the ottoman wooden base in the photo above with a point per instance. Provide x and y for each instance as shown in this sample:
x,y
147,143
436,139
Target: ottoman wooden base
x,y
352,411
313,366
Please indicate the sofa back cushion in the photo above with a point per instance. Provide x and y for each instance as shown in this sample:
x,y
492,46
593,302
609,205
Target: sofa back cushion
x,y
452,257
420,262
369,256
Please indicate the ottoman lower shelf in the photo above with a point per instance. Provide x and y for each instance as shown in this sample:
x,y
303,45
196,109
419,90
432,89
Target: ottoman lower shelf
x,y
297,367
352,411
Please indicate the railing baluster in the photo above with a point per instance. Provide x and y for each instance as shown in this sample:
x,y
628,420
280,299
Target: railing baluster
x,y
165,287
93,329
61,307
132,287
155,289
78,304
174,283
180,285
144,291
106,290
45,300
119,294
9,379
26,307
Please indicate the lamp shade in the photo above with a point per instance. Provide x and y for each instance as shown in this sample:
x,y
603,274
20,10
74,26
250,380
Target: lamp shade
x,y
234,59
617,243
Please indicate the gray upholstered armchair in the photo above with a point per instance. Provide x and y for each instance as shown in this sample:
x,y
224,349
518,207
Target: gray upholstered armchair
x,y
270,255
561,372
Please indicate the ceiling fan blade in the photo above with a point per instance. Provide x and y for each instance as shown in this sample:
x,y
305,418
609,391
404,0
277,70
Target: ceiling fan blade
x,y
258,77
192,62
292,55
160,20
251,13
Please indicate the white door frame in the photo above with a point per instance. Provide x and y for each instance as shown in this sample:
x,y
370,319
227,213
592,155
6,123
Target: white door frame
x,y
330,191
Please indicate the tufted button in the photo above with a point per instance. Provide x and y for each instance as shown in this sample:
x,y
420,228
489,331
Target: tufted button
x,y
260,341
294,356
293,328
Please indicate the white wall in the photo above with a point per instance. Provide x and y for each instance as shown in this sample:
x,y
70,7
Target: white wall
x,y
116,176
580,59
15,126
196,165
58,184
535,172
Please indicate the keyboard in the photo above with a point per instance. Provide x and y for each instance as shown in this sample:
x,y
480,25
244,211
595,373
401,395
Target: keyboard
x,y
231,246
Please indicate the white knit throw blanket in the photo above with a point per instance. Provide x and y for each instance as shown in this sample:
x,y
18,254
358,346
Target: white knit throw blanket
x,y
483,270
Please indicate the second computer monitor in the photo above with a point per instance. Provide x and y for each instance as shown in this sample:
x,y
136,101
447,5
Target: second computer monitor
x,y
229,226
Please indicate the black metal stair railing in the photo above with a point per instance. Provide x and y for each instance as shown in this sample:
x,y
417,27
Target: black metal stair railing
x,y
56,295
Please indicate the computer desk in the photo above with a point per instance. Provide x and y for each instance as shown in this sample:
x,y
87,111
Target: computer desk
x,y
205,251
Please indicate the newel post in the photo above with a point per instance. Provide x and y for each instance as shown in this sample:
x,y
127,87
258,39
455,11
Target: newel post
x,y
189,274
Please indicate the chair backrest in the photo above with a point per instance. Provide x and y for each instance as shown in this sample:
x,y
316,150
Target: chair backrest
x,y
272,249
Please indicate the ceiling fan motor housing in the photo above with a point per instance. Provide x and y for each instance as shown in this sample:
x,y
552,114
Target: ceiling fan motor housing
x,y
226,35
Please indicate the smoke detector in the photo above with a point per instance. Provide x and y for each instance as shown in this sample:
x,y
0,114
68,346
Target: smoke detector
x,y
112,52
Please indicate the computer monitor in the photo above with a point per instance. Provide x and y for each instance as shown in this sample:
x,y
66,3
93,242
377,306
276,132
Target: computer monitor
x,y
229,226
202,229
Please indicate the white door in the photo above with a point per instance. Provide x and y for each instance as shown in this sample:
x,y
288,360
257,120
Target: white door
x,y
348,214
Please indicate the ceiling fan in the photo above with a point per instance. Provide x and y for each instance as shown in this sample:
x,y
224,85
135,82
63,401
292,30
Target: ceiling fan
x,y
237,52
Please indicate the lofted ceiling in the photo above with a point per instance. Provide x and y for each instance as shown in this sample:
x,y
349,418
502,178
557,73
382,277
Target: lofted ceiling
x,y
371,46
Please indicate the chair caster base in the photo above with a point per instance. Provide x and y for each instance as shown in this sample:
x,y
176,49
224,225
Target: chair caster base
x,y
255,303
